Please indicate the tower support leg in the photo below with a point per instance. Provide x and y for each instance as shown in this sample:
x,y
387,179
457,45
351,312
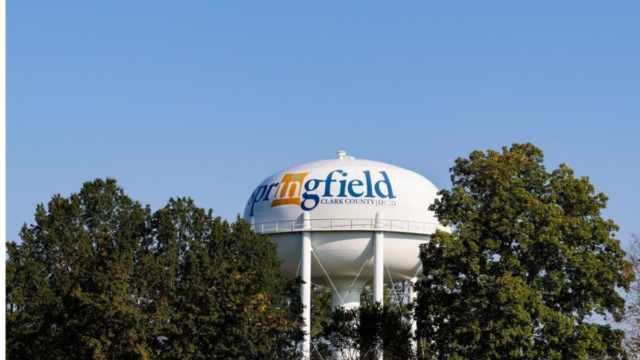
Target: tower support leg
x,y
305,291
378,263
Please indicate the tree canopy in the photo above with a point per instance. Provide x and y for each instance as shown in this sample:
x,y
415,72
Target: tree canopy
x,y
369,333
632,317
99,276
528,262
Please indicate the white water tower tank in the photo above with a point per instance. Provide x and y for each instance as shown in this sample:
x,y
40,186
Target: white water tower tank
x,y
345,222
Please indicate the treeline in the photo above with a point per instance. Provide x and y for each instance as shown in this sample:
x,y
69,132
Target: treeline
x,y
99,276
529,262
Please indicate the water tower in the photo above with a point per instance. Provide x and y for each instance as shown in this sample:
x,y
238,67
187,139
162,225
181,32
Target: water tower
x,y
345,222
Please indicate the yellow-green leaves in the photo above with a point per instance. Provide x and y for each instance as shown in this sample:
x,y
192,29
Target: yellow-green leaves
x,y
529,260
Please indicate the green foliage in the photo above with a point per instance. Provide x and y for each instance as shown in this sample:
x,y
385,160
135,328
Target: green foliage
x,y
101,277
529,260
224,287
343,334
72,287
393,295
632,317
367,332
321,310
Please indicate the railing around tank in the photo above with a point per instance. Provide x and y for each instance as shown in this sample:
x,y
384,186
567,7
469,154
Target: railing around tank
x,y
346,224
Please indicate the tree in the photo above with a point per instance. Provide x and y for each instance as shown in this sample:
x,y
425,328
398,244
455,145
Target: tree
x,y
368,332
100,277
528,261
223,288
321,310
72,284
632,341
362,333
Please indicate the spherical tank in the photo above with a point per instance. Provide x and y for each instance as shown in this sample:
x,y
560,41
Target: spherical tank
x,y
342,197
345,222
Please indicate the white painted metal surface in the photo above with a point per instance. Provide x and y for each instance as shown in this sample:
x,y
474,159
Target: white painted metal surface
x,y
343,189
411,227
305,256
378,260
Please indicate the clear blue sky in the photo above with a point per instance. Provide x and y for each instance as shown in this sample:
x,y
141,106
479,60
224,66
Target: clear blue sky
x,y
207,98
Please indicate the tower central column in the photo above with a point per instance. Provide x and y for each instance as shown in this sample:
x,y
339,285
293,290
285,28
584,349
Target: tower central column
x,y
348,292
